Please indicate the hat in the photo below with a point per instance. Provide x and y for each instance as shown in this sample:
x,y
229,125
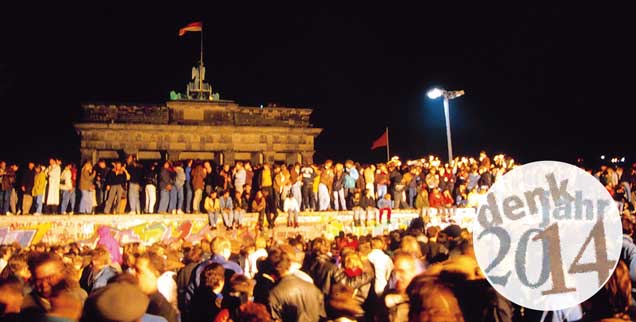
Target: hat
x,y
453,231
119,301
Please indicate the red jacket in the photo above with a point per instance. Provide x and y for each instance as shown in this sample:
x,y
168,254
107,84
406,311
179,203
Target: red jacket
x,y
436,200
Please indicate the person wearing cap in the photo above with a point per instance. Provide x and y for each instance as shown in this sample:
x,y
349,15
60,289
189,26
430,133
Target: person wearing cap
x,y
433,250
116,302
451,238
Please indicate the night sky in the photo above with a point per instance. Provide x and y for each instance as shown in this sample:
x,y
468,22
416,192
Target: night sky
x,y
550,82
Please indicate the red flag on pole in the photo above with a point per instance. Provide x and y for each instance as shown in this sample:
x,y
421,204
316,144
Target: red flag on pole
x,y
195,26
383,140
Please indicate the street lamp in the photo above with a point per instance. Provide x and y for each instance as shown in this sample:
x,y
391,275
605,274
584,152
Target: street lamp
x,y
436,93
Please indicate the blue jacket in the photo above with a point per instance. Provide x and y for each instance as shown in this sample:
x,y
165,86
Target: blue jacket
x,y
188,171
101,278
383,203
351,175
226,203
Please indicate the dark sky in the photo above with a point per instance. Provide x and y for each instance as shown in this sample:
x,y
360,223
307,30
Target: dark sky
x,y
544,82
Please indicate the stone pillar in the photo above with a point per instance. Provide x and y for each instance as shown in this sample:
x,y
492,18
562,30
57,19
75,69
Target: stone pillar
x,y
219,158
172,155
292,157
130,151
228,157
308,157
257,158
269,156
88,154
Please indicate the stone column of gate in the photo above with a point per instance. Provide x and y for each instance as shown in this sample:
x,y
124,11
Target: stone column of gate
x,y
173,155
88,154
308,157
228,157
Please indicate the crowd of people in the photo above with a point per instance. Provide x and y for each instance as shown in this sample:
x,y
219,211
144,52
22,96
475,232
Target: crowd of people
x,y
227,192
422,273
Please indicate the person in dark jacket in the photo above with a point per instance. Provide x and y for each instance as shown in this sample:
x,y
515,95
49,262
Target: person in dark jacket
x,y
293,299
166,187
240,208
338,190
358,210
355,276
101,171
367,203
26,186
191,259
115,183
319,266
136,171
265,278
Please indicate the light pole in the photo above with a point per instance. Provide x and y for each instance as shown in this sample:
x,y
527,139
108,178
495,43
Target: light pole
x,y
448,95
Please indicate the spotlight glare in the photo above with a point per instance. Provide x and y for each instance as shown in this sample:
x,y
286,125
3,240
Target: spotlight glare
x,y
435,93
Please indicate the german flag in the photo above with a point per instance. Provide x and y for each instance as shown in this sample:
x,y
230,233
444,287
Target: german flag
x,y
195,26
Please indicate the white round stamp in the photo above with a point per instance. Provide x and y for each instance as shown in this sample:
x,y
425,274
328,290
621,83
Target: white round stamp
x,y
547,235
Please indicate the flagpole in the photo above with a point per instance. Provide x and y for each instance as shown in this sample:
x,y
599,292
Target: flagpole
x,y
387,144
201,63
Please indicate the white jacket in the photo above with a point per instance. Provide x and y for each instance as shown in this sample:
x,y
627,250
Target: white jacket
x,y
67,179
53,196
383,266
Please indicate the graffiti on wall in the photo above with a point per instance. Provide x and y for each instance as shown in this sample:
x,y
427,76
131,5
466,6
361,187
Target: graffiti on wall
x,y
149,230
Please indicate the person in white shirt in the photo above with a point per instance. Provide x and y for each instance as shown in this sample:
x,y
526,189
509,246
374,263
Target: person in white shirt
x,y
240,175
382,264
291,207
574,313
167,286
66,186
54,173
5,254
252,259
